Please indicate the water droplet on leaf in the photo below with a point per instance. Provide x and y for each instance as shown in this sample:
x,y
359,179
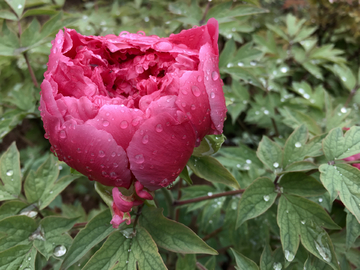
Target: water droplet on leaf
x,y
59,251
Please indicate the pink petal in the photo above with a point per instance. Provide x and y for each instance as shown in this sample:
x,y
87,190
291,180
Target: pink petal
x,y
141,192
81,109
92,152
209,65
160,150
119,121
121,203
194,101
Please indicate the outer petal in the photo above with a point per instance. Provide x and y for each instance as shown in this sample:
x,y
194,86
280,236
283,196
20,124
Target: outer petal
x,y
93,153
141,192
119,121
194,101
121,204
209,65
160,150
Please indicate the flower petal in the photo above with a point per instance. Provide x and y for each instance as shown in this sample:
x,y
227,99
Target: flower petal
x,y
160,150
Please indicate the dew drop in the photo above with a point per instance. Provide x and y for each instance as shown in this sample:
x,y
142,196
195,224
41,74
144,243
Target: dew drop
x,y
59,251
343,110
199,79
159,128
163,46
284,69
306,96
193,107
101,154
62,134
19,6
215,75
266,198
266,112
196,91
229,65
276,165
212,95
105,123
145,139
320,200
124,124
303,222
344,79
240,64
248,161
277,266
9,172
301,91
289,256
183,104
139,159
253,63
297,144
210,194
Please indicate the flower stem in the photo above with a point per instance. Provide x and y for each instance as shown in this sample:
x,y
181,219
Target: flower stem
x,y
352,94
138,214
32,74
213,196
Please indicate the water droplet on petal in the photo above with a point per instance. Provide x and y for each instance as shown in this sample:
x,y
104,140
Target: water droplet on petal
x,y
193,107
159,128
196,91
105,123
183,104
298,144
101,154
59,251
145,139
212,95
199,79
163,46
214,75
9,172
124,124
62,134
139,159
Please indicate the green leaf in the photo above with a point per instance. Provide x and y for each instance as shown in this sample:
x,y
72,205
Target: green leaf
x,y
13,257
209,145
267,260
256,199
352,230
17,230
185,175
7,15
301,166
95,231
344,180
11,208
298,216
293,26
313,263
211,170
300,184
52,234
337,146
270,153
105,193
39,11
131,251
346,76
171,235
211,263
278,31
17,6
10,174
29,259
186,262
11,118
227,53
243,262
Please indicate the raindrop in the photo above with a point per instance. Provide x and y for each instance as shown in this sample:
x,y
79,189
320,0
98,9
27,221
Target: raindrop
x,y
196,91
199,79
229,65
159,128
284,69
306,96
233,205
139,69
145,139
101,154
146,19
124,124
303,222
183,104
289,256
238,165
59,251
253,63
139,159
301,91
240,64
257,112
276,165
343,110
344,79
193,107
297,144
163,46
27,268
277,266
266,198
19,6
248,161
135,122
320,200
214,75
266,112
212,95
210,194
9,172
62,134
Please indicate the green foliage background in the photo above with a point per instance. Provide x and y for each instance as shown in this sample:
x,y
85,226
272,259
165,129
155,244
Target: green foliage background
x,y
275,194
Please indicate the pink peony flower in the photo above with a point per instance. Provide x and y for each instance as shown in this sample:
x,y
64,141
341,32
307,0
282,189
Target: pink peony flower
x,y
131,108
